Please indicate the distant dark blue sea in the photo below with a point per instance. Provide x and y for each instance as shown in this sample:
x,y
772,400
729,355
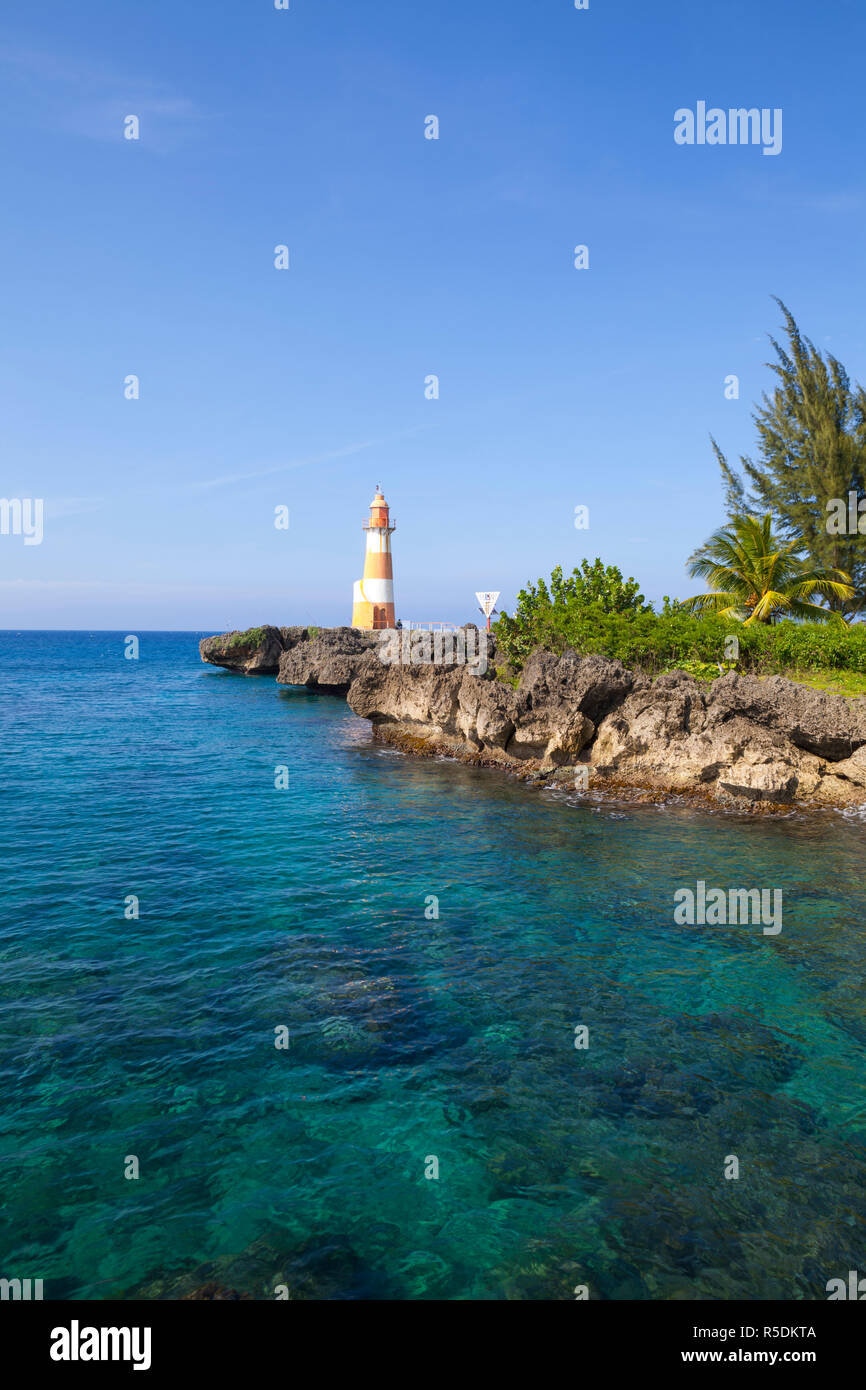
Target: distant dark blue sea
x,y
429,937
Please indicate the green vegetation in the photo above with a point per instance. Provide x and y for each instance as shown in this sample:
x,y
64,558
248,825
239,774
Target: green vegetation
x,y
507,676
551,616
811,452
558,615
251,638
595,586
312,632
704,670
756,576
786,578
848,683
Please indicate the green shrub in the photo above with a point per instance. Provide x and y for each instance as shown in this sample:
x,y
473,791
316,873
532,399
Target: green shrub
x,y
506,676
655,642
703,670
251,638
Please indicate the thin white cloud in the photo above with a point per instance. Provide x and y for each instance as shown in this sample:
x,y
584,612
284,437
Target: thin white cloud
x,y
57,507
80,97
228,478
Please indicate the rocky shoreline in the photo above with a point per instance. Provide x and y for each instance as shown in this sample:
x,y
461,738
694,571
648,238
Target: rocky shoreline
x,y
585,723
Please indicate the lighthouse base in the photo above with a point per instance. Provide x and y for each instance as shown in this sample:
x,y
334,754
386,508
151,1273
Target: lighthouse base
x,y
369,614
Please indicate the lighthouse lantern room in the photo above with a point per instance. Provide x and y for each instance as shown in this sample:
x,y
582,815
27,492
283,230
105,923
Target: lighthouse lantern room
x,y
373,599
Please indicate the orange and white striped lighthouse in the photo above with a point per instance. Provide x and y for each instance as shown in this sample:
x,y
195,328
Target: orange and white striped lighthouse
x,y
373,598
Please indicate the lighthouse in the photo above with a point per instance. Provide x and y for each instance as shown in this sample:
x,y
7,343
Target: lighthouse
x,y
373,598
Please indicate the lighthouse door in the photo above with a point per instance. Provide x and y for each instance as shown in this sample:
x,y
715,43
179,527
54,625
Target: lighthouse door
x,y
380,618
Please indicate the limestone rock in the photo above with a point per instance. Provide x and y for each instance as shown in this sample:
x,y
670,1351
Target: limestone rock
x,y
830,726
329,660
255,652
756,781
742,740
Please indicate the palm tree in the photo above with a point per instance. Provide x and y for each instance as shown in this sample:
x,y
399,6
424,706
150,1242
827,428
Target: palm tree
x,y
757,577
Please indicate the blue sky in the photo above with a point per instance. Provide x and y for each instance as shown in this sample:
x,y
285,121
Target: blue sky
x,y
409,257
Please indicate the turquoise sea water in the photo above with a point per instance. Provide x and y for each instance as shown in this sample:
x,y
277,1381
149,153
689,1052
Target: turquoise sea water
x,y
411,1037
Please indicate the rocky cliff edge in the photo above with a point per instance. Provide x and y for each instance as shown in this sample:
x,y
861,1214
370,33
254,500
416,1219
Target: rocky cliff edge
x,y
582,721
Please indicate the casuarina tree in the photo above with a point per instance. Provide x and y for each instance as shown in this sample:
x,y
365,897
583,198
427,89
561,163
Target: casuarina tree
x,y
811,455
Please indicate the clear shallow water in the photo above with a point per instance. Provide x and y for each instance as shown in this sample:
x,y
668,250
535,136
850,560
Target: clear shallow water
x,y
409,1037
